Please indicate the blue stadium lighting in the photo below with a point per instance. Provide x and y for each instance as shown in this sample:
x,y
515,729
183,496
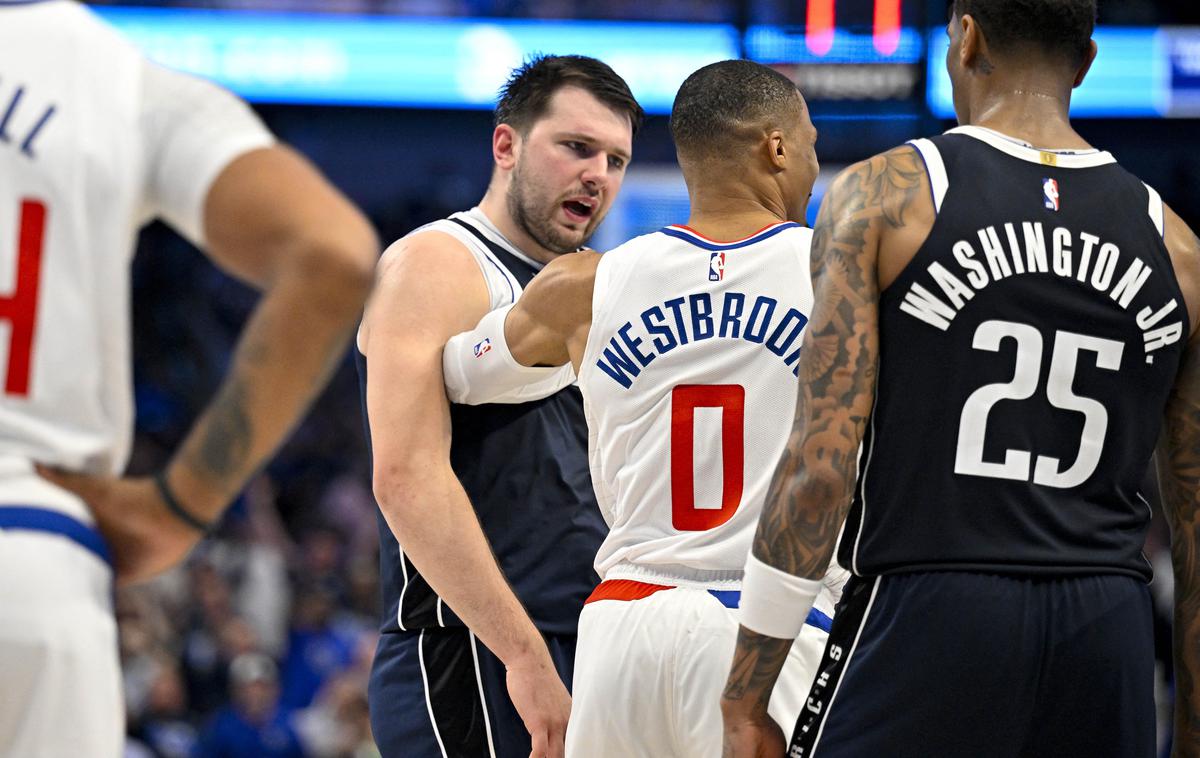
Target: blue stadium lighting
x,y
421,63
1131,77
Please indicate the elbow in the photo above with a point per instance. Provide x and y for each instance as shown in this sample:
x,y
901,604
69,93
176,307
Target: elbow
x,y
400,487
338,271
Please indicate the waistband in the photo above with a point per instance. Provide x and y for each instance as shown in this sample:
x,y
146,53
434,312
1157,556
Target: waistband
x,y
675,575
627,589
55,522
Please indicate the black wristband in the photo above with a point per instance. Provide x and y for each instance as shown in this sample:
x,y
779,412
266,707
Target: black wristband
x,y
177,510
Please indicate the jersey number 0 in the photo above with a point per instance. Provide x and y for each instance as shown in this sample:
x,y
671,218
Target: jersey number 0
x,y
685,399
19,308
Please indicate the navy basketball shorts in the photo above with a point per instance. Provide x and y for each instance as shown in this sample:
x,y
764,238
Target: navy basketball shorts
x,y
966,665
439,693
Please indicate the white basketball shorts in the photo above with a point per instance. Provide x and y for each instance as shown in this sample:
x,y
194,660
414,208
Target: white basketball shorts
x,y
61,696
649,673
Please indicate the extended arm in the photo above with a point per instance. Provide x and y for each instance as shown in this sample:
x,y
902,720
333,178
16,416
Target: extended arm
x,y
526,351
1179,471
815,478
428,289
271,219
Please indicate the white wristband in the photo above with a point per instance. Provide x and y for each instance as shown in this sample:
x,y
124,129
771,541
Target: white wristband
x,y
774,603
479,368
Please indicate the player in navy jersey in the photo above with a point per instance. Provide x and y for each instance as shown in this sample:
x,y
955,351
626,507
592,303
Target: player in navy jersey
x,y
1004,319
488,519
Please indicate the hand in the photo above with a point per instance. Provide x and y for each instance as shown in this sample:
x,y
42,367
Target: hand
x,y
145,539
752,736
543,703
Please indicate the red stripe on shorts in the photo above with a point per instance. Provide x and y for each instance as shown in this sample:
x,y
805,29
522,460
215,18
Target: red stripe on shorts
x,y
624,589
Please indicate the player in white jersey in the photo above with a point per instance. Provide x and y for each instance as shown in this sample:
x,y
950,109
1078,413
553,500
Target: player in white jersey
x,y
94,142
685,348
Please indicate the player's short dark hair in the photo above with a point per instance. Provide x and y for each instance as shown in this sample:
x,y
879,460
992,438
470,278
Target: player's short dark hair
x,y
1060,29
526,95
720,100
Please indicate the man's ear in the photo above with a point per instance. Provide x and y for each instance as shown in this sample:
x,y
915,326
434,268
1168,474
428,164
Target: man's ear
x,y
776,149
1087,63
974,46
506,144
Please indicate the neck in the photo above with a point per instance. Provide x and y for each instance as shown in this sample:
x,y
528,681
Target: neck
x,y
495,206
726,213
1027,108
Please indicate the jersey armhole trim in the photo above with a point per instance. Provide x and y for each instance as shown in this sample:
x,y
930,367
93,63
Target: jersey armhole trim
x,y
935,167
1157,214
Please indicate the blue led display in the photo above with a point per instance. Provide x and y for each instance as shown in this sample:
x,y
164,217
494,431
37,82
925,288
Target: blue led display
x,y
1131,76
430,63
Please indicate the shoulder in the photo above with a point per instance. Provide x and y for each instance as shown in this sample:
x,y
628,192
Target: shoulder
x,y
887,186
430,278
432,251
1184,248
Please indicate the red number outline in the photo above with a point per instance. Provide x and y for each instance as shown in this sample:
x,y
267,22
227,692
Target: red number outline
x,y
685,399
20,308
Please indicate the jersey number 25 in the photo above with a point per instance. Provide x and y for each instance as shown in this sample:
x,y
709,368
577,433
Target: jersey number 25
x,y
1064,359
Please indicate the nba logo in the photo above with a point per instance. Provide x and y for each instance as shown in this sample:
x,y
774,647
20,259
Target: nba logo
x,y
1050,194
483,348
716,266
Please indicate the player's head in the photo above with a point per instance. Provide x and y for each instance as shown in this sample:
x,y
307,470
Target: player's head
x,y
993,40
738,121
563,137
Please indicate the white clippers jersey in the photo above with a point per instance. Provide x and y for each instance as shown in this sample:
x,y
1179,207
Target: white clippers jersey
x,y
689,385
94,142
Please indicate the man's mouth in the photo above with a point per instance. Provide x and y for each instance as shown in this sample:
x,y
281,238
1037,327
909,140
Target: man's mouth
x,y
580,209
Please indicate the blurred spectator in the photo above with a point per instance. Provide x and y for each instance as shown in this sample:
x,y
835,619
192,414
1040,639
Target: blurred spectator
x,y
337,724
164,725
254,725
318,648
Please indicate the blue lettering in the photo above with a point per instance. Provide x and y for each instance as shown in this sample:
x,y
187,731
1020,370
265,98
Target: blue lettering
x,y
618,365
12,107
662,345
731,314
675,305
702,323
760,319
780,346
633,343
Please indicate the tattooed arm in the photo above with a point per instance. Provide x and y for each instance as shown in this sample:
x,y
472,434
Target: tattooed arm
x,y
273,221
1179,461
814,481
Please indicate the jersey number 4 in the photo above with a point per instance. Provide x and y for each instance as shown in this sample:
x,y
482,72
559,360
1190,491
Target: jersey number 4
x,y
19,308
972,427
685,399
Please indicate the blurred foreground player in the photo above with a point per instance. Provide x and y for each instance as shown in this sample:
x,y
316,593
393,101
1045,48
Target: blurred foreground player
x,y
474,498
685,342
94,142
1004,313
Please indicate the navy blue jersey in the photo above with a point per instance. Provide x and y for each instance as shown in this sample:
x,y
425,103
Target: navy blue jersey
x,y
525,469
1026,356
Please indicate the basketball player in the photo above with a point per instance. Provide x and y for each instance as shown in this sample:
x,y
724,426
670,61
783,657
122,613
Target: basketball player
x,y
94,142
1004,316
685,342
473,499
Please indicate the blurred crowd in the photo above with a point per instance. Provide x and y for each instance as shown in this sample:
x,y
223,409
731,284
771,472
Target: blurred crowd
x,y
260,645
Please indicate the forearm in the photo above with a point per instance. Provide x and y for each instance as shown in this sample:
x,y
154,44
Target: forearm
x,y
1187,673
435,524
288,349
